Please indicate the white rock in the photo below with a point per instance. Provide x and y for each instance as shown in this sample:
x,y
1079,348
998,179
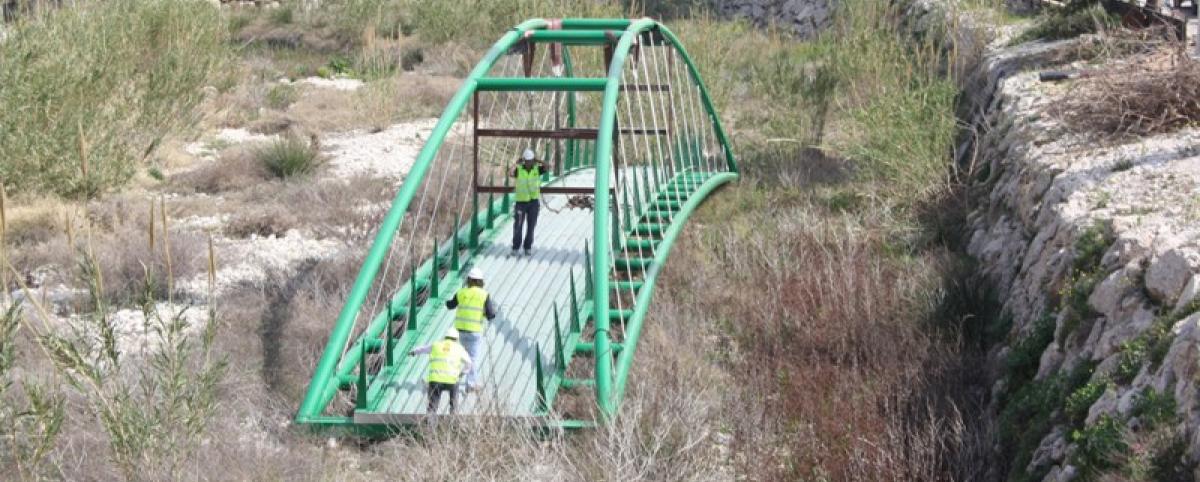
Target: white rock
x,y
337,83
1169,273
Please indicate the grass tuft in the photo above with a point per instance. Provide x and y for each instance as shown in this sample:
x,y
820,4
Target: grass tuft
x,y
288,157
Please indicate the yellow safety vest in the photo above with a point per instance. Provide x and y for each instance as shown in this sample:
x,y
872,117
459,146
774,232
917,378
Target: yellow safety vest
x,y
469,315
529,184
446,360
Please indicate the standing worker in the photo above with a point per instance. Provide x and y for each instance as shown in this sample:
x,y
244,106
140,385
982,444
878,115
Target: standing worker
x,y
472,305
528,193
447,360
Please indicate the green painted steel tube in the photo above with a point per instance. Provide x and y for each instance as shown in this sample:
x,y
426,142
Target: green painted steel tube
x,y
633,325
315,399
596,23
576,37
527,84
569,68
704,97
600,220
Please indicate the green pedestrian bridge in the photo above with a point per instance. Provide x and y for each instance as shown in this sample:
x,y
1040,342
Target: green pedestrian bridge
x,y
633,145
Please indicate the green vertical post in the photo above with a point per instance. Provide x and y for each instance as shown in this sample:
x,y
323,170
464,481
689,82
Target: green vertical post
x,y
646,185
575,325
454,244
491,211
569,71
637,190
434,273
412,297
625,207
506,199
559,362
473,236
541,377
388,344
587,273
360,395
658,181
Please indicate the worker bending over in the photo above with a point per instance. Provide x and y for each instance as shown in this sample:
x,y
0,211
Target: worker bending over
x,y
528,196
447,360
472,305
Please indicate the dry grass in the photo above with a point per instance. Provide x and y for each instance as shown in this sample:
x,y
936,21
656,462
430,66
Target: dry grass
x,y
236,169
848,366
118,234
1145,94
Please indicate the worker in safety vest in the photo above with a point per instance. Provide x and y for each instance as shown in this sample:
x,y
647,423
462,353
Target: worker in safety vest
x,y
528,196
447,360
472,307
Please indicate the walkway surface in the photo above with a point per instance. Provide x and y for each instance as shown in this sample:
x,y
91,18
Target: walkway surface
x,y
526,290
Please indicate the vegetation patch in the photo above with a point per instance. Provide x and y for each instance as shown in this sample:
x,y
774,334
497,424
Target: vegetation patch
x,y
1099,447
1077,18
289,156
1025,356
86,102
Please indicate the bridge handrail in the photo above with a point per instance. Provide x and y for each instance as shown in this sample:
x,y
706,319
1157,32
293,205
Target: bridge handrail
x,y
320,389
607,398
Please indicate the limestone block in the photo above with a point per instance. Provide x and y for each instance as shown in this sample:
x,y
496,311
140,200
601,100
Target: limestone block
x,y
1168,273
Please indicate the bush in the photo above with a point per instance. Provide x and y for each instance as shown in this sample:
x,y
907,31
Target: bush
x,y
1026,354
281,96
1082,399
288,157
86,101
1134,354
1099,447
1077,19
1154,408
1090,247
1026,418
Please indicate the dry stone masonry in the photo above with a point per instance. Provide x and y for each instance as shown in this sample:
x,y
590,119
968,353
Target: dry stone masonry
x,y
1093,248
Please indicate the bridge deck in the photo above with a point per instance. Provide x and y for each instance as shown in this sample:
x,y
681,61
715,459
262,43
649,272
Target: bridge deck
x,y
525,290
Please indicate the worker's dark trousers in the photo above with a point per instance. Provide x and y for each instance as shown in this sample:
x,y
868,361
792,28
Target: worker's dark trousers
x,y
435,396
527,213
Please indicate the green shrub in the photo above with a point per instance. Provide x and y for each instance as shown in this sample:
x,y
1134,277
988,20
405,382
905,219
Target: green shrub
x,y
86,98
1133,355
1076,20
1026,354
283,15
1026,418
1169,460
1081,401
1154,408
1090,247
281,96
1099,447
288,157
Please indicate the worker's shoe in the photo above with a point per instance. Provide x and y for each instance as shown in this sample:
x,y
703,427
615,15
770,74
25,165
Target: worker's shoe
x,y
528,253
514,252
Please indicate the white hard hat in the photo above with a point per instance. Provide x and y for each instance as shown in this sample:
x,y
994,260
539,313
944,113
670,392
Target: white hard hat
x,y
475,273
528,155
452,333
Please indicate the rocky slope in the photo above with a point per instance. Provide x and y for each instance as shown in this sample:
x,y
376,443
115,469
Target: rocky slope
x,y
805,18
1091,245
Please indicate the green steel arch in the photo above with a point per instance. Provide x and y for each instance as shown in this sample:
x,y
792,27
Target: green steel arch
x,y
344,364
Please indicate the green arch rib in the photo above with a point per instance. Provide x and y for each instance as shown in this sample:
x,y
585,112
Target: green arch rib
x,y
333,368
